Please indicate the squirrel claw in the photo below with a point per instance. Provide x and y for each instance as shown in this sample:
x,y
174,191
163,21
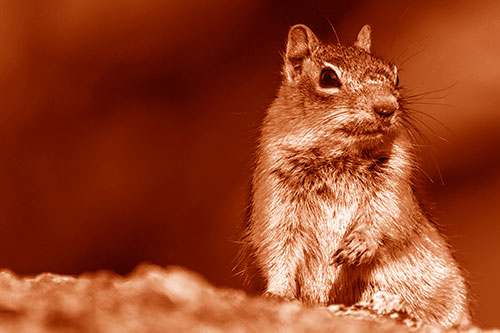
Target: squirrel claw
x,y
353,251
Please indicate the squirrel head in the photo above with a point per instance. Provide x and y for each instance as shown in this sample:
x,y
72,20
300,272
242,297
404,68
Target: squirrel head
x,y
342,90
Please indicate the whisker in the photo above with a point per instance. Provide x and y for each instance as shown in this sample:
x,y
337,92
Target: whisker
x,y
429,103
420,133
430,129
396,28
431,92
412,56
329,22
411,46
333,28
436,120
436,164
431,151
418,164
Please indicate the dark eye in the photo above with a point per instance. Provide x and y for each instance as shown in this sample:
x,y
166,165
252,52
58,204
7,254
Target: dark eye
x,y
329,79
397,80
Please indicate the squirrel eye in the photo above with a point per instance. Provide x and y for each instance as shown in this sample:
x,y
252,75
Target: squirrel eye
x,y
397,80
329,79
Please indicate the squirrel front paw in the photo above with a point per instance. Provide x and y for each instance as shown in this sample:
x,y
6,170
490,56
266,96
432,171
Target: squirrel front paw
x,y
285,298
354,250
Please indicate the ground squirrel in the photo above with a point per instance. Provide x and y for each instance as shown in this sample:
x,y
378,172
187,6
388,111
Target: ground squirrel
x,y
335,217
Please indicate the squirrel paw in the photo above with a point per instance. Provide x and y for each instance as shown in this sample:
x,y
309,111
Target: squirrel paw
x,y
384,302
278,297
354,250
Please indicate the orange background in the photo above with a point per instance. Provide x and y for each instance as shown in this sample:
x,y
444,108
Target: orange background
x,y
127,128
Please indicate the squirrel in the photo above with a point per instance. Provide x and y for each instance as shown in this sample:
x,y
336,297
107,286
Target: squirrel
x,y
335,216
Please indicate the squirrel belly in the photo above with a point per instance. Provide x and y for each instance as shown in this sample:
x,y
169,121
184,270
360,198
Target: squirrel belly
x,y
335,217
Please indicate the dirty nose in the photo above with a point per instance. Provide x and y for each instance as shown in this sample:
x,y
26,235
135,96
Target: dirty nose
x,y
386,107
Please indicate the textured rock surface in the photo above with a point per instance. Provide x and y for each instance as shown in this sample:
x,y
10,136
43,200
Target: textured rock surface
x,y
154,299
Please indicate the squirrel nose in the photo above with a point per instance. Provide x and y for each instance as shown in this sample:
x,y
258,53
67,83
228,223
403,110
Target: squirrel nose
x,y
386,107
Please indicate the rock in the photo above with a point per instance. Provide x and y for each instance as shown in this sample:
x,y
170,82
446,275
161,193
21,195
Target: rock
x,y
172,299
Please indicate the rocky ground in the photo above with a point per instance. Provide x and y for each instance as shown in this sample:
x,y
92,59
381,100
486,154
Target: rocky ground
x,y
172,299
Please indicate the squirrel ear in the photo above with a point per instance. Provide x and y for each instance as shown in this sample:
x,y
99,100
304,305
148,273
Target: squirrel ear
x,y
364,41
301,42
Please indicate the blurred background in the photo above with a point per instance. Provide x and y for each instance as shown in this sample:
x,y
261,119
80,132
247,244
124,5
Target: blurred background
x,y
127,128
